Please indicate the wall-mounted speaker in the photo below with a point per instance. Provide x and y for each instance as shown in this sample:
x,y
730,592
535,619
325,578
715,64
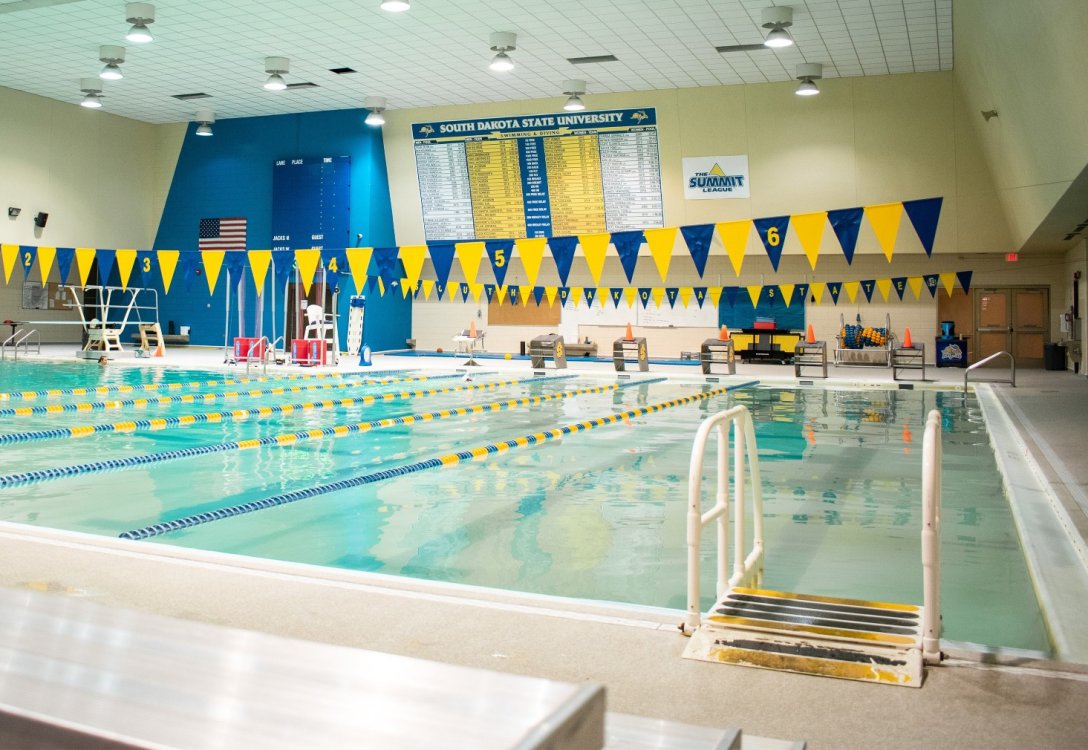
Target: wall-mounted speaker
x,y
40,219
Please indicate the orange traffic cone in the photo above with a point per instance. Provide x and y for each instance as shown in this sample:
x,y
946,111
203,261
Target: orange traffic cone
x,y
160,350
907,343
472,329
629,336
811,337
723,335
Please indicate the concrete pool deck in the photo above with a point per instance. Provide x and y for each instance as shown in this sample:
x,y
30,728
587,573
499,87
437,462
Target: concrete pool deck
x,y
634,652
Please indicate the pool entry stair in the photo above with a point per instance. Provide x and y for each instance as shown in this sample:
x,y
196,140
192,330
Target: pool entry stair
x,y
828,636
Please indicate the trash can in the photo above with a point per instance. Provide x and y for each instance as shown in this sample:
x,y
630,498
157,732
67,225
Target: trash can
x,y
1053,357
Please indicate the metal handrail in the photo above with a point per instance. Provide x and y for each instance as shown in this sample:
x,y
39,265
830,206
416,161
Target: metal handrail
x,y
255,345
21,338
1012,369
931,539
746,568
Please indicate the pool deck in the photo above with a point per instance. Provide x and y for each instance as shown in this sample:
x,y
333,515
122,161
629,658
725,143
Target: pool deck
x,y
634,652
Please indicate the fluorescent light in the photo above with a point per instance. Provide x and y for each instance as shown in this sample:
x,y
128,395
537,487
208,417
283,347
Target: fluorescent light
x,y
778,38
806,73
395,6
139,34
376,105
92,88
204,129
113,56
276,67
503,42
275,82
139,15
111,73
502,63
807,88
574,104
92,100
375,119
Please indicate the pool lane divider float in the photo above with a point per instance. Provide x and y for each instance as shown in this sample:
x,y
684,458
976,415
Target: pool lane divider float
x,y
437,462
238,415
205,398
102,390
290,438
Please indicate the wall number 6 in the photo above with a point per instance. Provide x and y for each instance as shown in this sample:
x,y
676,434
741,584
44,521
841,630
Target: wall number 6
x,y
772,237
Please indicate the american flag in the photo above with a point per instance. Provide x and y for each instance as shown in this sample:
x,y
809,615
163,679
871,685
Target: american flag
x,y
222,234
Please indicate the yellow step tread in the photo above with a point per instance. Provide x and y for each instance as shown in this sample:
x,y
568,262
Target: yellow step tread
x,y
888,639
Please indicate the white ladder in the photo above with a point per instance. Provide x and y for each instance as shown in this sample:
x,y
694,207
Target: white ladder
x,y
829,636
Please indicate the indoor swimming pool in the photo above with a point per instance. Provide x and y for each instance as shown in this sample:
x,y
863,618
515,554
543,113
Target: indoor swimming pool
x,y
430,475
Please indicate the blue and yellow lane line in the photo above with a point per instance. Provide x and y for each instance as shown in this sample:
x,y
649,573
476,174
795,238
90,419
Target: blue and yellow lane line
x,y
238,415
450,459
204,398
102,390
291,438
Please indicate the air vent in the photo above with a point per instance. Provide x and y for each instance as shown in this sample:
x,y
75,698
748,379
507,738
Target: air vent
x,y
592,59
342,71
742,48
190,97
306,85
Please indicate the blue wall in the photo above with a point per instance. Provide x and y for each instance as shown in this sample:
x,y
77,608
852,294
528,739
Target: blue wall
x,y
230,174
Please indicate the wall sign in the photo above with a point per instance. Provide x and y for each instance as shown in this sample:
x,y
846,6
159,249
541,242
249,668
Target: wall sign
x,y
709,177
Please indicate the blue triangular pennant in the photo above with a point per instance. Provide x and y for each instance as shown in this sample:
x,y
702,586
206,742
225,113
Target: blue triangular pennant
x,y
770,295
442,260
644,295
498,251
188,263
846,222
106,259
439,290
899,284
591,294
698,239
387,259
465,291
616,293
933,281
514,294
235,261
489,292
563,254
924,215
284,261
772,231
335,260
835,289
965,279
65,256
564,295
538,294
671,293
730,293
700,295
146,263
800,293
627,245
868,286
27,255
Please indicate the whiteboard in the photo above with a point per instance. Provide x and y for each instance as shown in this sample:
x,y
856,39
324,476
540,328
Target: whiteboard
x,y
652,316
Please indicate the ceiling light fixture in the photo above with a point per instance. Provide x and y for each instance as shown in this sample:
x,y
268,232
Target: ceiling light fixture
x,y
204,119
376,105
139,15
806,73
276,67
503,42
395,6
778,18
113,56
92,88
574,89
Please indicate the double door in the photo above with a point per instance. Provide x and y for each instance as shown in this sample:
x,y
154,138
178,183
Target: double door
x,y
1012,319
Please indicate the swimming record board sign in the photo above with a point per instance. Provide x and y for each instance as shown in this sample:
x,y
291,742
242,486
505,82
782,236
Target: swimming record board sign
x,y
546,175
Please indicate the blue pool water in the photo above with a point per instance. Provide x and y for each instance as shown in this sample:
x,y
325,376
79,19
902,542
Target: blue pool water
x,y
598,514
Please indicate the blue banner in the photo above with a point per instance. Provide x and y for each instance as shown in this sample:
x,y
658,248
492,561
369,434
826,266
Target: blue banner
x,y
846,222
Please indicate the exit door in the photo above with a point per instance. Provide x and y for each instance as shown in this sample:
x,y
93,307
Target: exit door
x,y
1014,320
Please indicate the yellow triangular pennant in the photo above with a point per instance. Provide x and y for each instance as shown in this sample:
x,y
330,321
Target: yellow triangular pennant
x,y
594,246
259,261
469,254
8,255
213,261
809,229
915,284
84,261
602,295
500,293
308,261
168,261
851,289
381,287
476,290
658,295
753,293
406,288
427,286
576,293
884,286
549,294
126,259
359,263
46,256
734,235
631,295
685,295
816,289
948,281
884,219
526,293
531,251
714,294
661,242
787,292
413,256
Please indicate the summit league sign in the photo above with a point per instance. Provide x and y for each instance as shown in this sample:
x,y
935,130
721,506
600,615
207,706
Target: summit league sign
x,y
708,177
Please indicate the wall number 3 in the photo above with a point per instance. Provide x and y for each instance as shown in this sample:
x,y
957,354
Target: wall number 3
x,y
147,265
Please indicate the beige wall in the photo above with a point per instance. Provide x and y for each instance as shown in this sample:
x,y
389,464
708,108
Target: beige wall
x,y
1027,61
102,179
862,141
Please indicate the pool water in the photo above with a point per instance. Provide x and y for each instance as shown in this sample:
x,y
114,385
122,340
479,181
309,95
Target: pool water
x,y
599,514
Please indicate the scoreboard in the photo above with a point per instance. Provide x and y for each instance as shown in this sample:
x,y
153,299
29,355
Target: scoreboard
x,y
311,202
